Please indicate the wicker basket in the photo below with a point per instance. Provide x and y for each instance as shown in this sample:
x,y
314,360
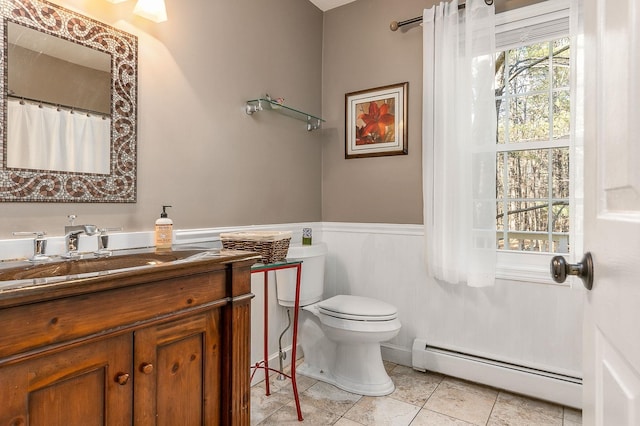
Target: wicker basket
x,y
272,245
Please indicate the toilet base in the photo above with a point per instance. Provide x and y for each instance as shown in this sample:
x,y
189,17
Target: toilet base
x,y
383,388
349,360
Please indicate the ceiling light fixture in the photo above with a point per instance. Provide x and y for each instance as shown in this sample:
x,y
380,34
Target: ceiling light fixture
x,y
154,10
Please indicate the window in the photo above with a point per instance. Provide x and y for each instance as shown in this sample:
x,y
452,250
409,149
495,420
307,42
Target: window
x,y
538,159
533,140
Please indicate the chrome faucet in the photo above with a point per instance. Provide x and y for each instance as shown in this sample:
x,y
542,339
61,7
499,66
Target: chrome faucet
x,y
71,235
39,246
103,242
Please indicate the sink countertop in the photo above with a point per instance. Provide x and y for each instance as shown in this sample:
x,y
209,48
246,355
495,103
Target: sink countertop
x,y
25,282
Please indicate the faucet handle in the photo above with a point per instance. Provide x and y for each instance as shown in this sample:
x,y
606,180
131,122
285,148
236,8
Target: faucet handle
x,y
103,242
39,245
119,228
38,234
72,219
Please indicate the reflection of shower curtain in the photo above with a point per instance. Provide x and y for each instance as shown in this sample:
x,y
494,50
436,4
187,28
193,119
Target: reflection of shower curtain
x,y
47,139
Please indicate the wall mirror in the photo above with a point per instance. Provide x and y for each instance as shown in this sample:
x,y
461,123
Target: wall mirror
x,y
69,92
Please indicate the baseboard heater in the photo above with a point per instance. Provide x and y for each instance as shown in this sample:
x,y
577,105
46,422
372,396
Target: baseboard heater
x,y
558,388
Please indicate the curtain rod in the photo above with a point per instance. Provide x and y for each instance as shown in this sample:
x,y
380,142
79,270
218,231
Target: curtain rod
x,y
395,24
71,109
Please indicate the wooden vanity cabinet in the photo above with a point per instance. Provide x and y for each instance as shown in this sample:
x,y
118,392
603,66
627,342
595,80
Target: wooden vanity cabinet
x,y
166,347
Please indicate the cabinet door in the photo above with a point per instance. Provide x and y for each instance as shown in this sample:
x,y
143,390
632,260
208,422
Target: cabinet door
x,y
177,372
83,386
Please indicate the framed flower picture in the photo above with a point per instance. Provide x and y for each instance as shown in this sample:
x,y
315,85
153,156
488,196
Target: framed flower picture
x,y
376,122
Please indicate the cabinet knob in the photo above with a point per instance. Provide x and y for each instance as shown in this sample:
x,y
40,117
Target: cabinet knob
x,y
146,368
122,378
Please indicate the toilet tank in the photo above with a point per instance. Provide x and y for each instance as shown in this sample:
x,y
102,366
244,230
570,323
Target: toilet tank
x,y
312,278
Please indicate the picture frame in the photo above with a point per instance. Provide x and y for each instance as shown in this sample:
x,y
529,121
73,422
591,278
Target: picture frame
x,y
376,121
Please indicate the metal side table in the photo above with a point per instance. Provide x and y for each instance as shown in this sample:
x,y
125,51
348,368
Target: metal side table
x,y
264,364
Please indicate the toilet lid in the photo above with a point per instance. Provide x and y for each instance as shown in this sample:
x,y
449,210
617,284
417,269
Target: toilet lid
x,y
357,308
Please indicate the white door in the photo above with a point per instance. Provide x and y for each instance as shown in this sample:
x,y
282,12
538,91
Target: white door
x,y
612,212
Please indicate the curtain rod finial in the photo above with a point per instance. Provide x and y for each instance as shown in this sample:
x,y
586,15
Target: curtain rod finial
x,y
393,25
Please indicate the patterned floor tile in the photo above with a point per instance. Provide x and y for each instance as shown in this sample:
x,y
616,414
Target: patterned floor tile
x,y
285,386
329,398
382,411
263,406
516,410
463,400
288,415
453,402
413,386
346,422
431,418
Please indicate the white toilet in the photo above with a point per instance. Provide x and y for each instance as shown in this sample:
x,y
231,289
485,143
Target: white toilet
x,y
340,336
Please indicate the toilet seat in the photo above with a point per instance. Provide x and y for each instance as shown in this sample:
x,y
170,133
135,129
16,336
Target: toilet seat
x,y
357,308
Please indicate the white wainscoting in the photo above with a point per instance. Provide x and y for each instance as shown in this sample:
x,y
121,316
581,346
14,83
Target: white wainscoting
x,y
530,324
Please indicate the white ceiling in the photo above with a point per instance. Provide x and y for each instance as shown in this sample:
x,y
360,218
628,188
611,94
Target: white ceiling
x,y
325,5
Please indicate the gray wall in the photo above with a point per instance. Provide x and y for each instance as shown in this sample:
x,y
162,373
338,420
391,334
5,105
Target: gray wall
x,y
360,52
217,166
198,150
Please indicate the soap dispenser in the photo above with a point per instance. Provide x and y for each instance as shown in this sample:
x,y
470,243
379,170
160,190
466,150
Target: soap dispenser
x,y
164,230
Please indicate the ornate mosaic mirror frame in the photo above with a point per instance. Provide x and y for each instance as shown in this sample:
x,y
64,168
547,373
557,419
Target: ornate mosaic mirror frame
x,y
119,186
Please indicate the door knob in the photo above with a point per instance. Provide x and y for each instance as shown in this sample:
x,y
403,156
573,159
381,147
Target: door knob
x,y
560,269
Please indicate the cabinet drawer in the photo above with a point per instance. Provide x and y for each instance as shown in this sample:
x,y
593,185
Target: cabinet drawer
x,y
36,325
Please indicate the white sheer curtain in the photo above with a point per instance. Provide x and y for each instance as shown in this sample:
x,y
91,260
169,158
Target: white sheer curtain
x,y
44,138
459,127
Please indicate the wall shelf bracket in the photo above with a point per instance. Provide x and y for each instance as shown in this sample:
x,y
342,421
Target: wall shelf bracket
x,y
252,107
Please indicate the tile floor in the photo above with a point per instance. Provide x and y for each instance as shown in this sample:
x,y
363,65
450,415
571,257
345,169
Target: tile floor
x,y
419,399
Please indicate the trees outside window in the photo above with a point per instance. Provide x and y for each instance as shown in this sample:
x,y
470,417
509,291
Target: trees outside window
x,y
533,147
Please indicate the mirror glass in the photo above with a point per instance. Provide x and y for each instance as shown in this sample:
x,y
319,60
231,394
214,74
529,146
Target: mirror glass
x,y
67,88
69,122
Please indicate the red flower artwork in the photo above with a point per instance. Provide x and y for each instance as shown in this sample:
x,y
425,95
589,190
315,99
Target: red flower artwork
x,y
376,126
